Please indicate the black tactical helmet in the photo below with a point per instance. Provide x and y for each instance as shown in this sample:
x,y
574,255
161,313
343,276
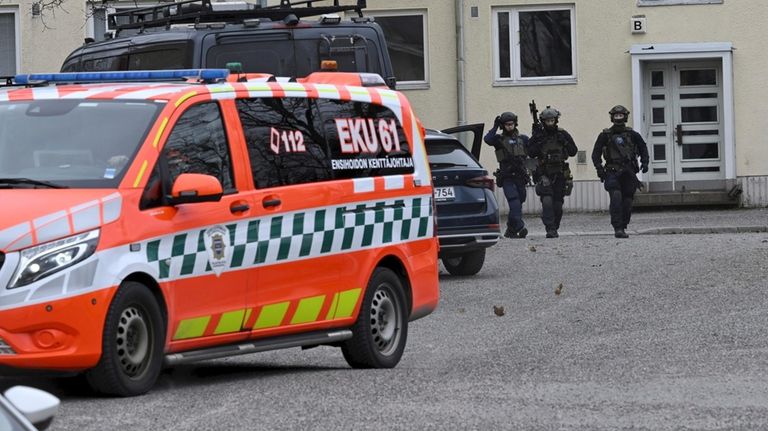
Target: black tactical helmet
x,y
508,117
619,109
549,113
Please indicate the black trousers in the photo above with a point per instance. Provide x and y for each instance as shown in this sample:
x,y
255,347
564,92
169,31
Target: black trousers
x,y
514,191
621,187
552,197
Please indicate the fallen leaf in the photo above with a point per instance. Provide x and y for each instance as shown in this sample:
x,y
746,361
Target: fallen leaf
x,y
531,248
559,289
461,310
498,310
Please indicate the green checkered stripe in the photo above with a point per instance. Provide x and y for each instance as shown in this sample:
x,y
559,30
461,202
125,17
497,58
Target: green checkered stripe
x,y
297,235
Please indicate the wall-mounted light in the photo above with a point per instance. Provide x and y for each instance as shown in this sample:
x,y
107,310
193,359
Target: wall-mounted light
x,y
35,9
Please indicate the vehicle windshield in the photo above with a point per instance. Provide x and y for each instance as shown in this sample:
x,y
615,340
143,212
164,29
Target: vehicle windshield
x,y
71,143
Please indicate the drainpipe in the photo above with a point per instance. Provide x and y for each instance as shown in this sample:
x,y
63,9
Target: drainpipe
x,y
460,90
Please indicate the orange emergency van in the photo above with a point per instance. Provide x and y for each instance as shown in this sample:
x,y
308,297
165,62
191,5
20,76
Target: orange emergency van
x,y
154,218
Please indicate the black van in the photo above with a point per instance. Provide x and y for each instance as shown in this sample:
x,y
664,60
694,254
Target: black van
x,y
291,39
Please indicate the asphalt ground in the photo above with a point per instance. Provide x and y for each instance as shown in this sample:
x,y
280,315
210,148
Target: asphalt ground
x,y
660,332
655,222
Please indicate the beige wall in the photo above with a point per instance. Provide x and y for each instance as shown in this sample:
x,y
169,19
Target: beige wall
x,y
603,66
437,105
604,76
47,39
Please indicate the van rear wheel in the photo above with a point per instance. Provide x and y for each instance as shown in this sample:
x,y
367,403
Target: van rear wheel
x,y
132,344
381,330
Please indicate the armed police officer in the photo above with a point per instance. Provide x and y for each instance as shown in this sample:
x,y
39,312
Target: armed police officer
x,y
551,146
512,175
620,146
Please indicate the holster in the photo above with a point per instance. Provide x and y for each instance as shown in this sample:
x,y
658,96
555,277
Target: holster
x,y
544,186
499,178
568,179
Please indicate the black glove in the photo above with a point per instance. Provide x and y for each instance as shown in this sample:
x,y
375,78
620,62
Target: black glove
x,y
644,167
497,121
600,173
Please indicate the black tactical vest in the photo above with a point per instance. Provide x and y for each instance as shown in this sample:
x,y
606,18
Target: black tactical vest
x,y
513,146
553,149
553,154
619,150
511,156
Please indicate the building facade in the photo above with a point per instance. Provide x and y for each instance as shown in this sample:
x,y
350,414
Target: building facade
x,y
695,89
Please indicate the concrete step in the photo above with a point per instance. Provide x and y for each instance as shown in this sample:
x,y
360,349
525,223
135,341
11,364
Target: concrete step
x,y
688,198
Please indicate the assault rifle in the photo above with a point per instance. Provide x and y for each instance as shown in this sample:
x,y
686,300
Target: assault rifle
x,y
536,127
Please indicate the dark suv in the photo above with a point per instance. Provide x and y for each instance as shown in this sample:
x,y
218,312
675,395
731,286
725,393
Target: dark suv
x,y
280,40
466,208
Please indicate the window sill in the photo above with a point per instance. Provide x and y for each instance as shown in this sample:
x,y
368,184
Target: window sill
x,y
412,86
562,81
676,2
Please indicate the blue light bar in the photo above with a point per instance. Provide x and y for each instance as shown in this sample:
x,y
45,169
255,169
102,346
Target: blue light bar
x,y
133,75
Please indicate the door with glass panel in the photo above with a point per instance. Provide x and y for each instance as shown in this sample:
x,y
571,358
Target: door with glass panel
x,y
685,125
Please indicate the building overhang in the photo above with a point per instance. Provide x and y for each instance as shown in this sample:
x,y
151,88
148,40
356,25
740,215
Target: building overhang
x,y
654,49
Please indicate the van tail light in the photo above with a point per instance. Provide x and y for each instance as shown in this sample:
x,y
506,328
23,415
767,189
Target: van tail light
x,y
484,182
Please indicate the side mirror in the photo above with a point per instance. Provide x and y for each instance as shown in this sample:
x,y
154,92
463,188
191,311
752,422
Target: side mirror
x,y
192,188
37,406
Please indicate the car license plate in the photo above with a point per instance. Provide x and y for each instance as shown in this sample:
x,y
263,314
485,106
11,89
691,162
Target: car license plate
x,y
444,194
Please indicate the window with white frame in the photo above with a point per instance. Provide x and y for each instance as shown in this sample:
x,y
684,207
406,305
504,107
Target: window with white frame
x,y
534,44
8,43
406,34
673,2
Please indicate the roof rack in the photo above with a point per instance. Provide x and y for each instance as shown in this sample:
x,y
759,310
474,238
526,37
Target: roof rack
x,y
201,11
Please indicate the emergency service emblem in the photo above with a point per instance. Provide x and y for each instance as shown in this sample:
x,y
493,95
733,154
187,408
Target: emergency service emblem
x,y
217,244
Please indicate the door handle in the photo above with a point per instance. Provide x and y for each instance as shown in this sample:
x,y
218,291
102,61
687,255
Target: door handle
x,y
273,202
679,134
239,207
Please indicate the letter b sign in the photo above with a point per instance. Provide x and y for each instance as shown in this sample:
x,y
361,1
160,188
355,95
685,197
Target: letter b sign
x,y
637,25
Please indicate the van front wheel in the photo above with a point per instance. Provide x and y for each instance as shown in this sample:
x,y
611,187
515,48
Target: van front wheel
x,y
381,329
132,344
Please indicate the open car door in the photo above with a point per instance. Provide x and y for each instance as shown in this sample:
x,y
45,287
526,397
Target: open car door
x,y
471,135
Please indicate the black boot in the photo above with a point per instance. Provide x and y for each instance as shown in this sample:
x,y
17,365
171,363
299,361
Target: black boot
x,y
619,233
522,233
509,233
552,233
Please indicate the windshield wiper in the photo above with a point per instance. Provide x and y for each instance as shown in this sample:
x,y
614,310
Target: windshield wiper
x,y
29,181
445,165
